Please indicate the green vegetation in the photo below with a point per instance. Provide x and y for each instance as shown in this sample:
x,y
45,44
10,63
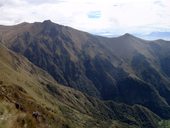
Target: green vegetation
x,y
30,97
164,124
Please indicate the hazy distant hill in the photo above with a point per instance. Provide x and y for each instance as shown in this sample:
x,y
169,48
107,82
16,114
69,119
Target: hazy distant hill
x,y
156,35
125,69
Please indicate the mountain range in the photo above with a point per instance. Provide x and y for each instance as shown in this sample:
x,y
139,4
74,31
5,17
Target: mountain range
x,y
155,35
56,76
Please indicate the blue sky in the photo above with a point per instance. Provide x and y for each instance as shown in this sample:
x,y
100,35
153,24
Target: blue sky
x,y
103,17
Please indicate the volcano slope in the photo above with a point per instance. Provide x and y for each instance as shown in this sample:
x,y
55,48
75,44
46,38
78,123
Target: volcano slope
x,y
125,69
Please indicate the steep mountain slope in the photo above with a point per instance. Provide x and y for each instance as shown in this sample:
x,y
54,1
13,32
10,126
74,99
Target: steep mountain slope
x,y
124,69
30,97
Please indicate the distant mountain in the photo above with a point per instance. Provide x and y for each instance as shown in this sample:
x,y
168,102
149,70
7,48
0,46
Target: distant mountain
x,y
156,36
126,70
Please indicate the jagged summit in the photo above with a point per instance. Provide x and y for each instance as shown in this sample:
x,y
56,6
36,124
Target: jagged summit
x,y
127,34
47,21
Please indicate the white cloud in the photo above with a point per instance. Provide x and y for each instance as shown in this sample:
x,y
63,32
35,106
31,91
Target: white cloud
x,y
97,16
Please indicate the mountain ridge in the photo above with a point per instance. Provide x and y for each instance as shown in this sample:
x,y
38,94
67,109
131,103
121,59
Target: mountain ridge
x,y
104,68
29,90
50,22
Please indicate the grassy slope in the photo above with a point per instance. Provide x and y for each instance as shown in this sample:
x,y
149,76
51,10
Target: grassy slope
x,y
24,89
